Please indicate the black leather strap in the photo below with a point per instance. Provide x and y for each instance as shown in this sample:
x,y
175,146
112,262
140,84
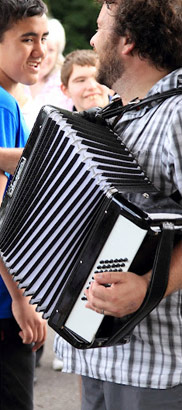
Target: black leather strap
x,y
116,108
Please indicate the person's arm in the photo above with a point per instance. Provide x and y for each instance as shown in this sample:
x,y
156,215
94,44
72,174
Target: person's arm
x,y
3,182
128,290
9,158
33,327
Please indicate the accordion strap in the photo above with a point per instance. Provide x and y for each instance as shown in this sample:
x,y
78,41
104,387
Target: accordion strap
x,y
157,286
116,108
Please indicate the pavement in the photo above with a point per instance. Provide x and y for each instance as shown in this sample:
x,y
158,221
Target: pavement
x,y
54,390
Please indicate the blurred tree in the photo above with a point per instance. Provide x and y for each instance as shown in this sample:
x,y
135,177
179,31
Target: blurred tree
x,y
78,18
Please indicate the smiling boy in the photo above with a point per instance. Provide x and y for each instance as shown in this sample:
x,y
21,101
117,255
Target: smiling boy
x,y
78,76
23,33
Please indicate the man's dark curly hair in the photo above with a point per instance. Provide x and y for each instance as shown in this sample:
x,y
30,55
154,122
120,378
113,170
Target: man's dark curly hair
x,y
13,10
155,26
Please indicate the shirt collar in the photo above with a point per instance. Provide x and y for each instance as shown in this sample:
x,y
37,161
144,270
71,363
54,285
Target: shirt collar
x,y
171,80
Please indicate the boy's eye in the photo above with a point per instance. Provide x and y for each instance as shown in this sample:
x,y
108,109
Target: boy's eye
x,y
27,40
45,39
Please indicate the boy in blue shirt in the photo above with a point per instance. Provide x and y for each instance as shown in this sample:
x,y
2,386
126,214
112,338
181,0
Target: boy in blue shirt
x,y
23,33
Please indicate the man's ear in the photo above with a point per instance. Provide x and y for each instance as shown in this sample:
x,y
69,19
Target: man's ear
x,y
128,45
64,90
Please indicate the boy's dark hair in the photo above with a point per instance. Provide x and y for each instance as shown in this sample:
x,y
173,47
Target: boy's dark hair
x,y
155,26
13,10
78,57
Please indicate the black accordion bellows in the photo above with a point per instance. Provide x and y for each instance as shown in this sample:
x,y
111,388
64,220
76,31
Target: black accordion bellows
x,y
75,188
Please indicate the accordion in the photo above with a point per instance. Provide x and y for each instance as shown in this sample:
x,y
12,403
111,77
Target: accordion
x,y
79,203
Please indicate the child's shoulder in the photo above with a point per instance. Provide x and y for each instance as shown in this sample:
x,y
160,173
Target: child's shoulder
x,y
7,100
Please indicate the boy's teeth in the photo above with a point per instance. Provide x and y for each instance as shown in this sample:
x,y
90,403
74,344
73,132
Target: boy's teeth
x,y
33,64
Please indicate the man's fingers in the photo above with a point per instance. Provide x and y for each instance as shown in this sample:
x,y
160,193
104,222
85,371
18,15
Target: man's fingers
x,y
109,277
101,311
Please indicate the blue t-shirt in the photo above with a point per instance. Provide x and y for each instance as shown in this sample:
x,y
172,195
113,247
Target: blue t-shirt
x,y
14,133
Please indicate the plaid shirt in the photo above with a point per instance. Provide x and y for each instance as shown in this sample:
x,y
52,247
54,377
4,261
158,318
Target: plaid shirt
x,y
153,358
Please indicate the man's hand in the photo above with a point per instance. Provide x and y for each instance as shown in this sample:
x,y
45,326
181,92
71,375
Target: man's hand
x,y
123,297
33,327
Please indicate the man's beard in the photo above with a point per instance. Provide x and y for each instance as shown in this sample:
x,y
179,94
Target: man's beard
x,y
110,67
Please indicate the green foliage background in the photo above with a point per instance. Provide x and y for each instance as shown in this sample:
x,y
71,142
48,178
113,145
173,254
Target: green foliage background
x,y
78,18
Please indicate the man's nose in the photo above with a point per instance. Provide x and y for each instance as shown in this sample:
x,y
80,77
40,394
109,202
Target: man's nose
x,y
92,41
